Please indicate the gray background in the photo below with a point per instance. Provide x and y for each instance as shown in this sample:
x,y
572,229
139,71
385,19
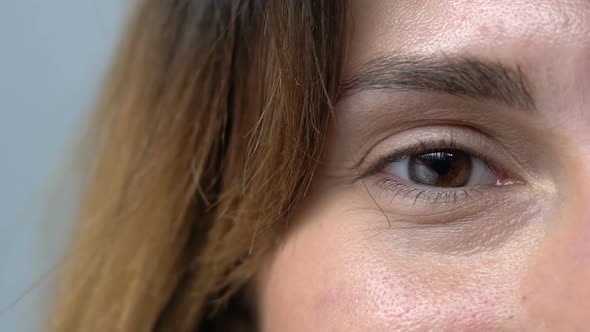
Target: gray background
x,y
52,57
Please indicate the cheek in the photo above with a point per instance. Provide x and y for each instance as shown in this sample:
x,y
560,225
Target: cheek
x,y
324,279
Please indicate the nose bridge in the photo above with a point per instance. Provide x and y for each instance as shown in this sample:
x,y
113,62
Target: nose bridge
x,y
556,291
573,231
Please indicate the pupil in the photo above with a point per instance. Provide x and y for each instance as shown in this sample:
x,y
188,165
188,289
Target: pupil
x,y
441,168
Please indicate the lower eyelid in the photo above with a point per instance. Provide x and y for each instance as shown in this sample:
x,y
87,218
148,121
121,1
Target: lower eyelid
x,y
408,204
425,193
392,193
413,205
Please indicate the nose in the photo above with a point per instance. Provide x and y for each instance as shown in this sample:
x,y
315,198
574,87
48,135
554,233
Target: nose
x,y
556,291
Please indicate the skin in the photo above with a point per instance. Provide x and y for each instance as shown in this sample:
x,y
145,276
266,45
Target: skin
x,y
361,257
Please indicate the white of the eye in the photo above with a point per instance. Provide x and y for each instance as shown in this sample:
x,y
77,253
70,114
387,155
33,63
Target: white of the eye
x,y
400,168
481,174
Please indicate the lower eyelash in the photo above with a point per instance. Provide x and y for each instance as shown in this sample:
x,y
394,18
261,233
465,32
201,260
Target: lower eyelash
x,y
397,188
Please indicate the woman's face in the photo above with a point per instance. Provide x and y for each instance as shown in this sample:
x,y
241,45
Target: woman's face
x,y
455,192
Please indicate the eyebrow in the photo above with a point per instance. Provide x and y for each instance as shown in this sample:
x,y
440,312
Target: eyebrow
x,y
458,76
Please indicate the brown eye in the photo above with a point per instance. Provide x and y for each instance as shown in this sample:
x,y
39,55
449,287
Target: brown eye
x,y
443,169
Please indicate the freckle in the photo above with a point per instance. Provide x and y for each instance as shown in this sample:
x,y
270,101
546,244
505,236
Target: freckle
x,y
524,298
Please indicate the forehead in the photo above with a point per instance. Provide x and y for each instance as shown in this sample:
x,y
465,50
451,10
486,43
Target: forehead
x,y
426,26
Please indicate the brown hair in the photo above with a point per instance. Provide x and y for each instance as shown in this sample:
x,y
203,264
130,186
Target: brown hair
x,y
208,134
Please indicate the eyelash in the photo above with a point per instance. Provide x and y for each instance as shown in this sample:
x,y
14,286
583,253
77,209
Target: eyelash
x,y
396,187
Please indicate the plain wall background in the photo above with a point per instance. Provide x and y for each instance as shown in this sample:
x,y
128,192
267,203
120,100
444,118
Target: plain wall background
x,y
52,57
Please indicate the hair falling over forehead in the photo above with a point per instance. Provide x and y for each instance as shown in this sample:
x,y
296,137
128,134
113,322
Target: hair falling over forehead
x,y
207,135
